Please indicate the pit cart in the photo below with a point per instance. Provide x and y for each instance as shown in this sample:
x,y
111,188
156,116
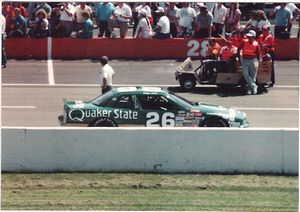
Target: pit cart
x,y
220,73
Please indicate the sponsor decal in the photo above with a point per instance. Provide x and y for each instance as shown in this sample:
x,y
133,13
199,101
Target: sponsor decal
x,y
80,114
79,104
232,114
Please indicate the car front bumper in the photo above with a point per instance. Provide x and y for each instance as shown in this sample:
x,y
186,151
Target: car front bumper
x,y
244,124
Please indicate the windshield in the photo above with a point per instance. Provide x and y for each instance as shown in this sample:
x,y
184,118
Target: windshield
x,y
103,99
187,103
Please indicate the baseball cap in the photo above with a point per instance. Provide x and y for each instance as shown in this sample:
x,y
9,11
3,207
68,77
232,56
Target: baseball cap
x,y
251,33
200,4
160,10
203,8
104,59
143,12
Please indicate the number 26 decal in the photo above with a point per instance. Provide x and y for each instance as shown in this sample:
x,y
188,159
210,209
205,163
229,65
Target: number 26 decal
x,y
197,49
167,120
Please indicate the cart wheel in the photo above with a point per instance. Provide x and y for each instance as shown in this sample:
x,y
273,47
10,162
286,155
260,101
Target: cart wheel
x,y
187,83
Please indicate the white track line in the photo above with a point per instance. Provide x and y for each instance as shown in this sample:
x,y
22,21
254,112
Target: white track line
x,y
116,85
50,62
268,109
239,108
18,107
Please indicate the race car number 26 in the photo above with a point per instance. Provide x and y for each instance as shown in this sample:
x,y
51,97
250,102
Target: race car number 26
x,y
153,120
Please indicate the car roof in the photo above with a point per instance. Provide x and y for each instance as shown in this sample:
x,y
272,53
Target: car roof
x,y
139,90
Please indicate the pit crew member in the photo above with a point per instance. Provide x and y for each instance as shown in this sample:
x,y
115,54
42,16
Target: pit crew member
x,y
106,75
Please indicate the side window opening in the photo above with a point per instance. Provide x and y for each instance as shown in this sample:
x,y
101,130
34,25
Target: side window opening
x,y
125,102
155,102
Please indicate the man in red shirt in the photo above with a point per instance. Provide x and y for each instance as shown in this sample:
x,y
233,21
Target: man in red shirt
x,y
250,54
266,41
213,49
237,37
228,54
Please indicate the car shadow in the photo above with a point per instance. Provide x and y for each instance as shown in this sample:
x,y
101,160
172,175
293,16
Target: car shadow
x,y
219,91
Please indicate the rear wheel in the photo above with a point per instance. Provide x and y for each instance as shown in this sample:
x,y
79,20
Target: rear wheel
x,y
187,83
103,122
214,122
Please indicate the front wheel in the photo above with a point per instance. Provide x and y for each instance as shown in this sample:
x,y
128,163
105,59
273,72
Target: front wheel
x,y
187,83
103,122
214,122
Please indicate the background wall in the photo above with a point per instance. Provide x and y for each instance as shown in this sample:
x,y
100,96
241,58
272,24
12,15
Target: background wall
x,y
150,150
178,48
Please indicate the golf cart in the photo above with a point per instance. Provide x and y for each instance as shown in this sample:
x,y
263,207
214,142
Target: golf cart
x,y
220,73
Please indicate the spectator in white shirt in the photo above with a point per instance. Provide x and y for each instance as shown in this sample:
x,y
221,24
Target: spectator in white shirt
x,y
232,18
122,16
67,11
41,28
2,27
203,23
137,9
253,21
186,16
163,25
79,19
295,13
261,22
106,75
219,12
143,29
294,10
171,14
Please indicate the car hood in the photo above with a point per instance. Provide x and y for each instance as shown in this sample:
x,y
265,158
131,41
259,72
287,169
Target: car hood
x,y
216,110
78,104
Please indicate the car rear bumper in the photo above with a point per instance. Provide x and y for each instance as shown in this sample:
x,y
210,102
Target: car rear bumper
x,y
61,120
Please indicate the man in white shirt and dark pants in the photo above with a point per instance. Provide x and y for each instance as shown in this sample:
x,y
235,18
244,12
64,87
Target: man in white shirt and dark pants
x,y
163,25
106,75
219,12
122,16
67,11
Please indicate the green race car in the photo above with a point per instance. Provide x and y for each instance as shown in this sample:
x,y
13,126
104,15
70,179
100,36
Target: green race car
x,y
150,107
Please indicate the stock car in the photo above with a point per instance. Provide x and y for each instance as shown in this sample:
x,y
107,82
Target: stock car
x,y
148,107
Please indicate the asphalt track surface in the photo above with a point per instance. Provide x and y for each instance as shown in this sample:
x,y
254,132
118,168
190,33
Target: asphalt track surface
x,y
28,100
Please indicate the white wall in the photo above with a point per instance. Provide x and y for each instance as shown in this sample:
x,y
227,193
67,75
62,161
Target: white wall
x,y
150,150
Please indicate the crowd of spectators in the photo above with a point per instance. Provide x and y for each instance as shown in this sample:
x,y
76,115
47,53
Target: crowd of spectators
x,y
149,20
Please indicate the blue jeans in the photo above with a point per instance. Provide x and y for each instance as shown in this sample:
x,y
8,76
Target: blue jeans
x,y
249,68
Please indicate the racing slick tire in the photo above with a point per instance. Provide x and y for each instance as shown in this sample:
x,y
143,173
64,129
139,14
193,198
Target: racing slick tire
x,y
214,122
187,83
103,122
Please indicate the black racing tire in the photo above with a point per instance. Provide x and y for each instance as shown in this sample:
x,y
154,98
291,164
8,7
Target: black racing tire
x,y
187,83
214,122
103,122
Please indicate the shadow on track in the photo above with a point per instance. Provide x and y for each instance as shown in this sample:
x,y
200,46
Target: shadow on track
x,y
219,91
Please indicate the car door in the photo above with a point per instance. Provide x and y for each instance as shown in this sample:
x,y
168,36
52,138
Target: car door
x,y
157,110
126,111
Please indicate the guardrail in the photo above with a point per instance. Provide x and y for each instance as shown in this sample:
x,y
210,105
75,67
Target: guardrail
x,y
164,150
129,48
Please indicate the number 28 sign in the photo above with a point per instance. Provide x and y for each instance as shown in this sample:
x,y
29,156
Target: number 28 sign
x,y
197,48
